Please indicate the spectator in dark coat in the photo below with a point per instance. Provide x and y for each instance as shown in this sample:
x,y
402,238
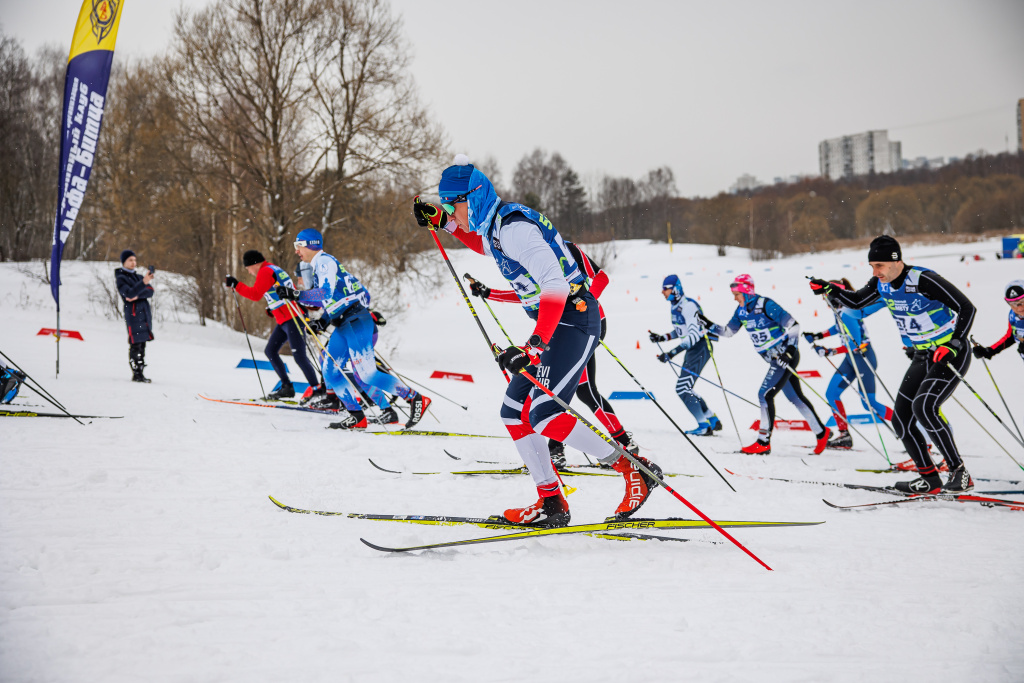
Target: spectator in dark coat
x,y
136,291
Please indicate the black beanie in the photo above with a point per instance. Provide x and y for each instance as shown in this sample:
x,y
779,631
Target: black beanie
x,y
126,254
251,258
884,248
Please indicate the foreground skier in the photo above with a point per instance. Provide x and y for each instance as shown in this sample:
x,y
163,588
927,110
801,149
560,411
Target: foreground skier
x,y
587,391
533,257
862,353
1014,297
687,326
774,333
340,295
934,318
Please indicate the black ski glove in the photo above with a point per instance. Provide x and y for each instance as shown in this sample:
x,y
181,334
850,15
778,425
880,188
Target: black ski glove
x,y
655,337
909,352
517,358
319,325
287,293
230,282
664,357
820,286
788,356
983,352
378,318
811,337
429,215
708,324
479,289
1020,349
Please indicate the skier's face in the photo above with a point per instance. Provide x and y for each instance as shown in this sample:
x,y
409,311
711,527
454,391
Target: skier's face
x,y
886,271
461,215
305,253
738,297
1018,307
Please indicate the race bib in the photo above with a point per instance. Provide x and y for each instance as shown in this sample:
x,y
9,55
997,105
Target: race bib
x,y
914,325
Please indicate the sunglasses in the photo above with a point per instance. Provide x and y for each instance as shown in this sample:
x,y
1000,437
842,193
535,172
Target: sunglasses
x,y
450,206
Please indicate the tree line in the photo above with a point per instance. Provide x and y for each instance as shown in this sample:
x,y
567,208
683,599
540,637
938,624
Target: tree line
x,y
265,117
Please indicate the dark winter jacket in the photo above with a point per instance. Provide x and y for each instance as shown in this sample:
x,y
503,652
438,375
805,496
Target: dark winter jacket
x,y
137,314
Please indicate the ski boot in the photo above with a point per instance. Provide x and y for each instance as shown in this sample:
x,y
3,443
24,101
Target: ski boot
x,y
286,391
758,448
327,401
625,439
314,393
716,424
843,442
960,481
557,451
418,404
822,441
550,510
137,375
388,416
638,485
702,429
355,421
925,485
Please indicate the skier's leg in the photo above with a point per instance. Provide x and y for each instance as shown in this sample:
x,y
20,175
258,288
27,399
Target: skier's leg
x,y
334,377
273,352
903,421
938,385
298,346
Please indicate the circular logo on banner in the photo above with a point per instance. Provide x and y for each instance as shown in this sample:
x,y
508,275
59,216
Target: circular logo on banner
x,y
102,17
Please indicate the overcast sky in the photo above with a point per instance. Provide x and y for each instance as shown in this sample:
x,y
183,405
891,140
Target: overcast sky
x,y
713,90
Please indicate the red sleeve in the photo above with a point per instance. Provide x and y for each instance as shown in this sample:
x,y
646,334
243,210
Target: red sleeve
x,y
598,284
470,239
1006,341
264,281
550,312
505,296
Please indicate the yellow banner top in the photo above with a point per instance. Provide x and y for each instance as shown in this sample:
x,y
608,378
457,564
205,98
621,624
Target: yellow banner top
x,y
97,26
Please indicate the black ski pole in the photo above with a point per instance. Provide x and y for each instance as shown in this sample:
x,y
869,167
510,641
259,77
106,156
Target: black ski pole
x,y
42,392
663,412
677,366
421,386
491,310
992,377
490,345
238,308
994,413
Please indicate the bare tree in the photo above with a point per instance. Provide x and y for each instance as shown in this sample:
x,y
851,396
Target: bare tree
x,y
369,124
237,76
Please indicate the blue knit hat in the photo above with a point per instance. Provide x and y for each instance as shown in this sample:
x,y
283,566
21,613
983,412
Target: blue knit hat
x,y
312,237
455,179
463,177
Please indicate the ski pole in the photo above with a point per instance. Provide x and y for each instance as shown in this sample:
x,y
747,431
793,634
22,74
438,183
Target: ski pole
x,y
847,338
976,421
493,315
677,366
384,365
663,412
352,385
994,414
991,377
849,424
722,385
490,345
639,465
42,392
421,386
263,392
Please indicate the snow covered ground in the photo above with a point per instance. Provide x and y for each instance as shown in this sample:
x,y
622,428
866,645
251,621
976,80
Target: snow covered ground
x,y
145,548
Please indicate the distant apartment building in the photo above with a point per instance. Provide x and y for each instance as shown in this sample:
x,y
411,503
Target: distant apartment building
x,y
860,154
745,183
1020,125
925,162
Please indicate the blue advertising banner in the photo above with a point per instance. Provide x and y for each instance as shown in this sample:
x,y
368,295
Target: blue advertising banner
x,y
85,94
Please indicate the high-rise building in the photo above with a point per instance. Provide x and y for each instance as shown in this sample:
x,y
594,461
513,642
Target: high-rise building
x,y
1020,125
860,154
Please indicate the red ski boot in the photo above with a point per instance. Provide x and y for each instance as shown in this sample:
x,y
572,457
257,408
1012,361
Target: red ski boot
x,y
638,485
822,441
550,510
757,448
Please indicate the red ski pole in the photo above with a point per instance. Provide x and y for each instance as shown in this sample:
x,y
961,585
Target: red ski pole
x,y
640,465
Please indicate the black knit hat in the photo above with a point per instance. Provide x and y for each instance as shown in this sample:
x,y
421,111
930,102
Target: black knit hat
x,y
251,258
126,254
884,248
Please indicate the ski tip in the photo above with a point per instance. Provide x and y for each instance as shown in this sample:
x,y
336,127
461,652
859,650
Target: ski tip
x,y
381,468
278,503
453,457
381,548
